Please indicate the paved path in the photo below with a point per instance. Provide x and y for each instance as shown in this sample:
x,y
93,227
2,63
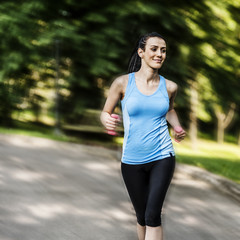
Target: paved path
x,y
61,191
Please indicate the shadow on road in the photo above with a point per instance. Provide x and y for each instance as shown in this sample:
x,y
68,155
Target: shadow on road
x,y
55,190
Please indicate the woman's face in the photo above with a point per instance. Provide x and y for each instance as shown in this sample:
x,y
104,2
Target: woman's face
x,y
154,53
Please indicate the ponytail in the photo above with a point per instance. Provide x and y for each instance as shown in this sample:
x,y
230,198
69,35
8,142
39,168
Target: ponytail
x,y
135,62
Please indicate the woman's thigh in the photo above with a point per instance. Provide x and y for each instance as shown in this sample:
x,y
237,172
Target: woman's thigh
x,y
136,180
159,180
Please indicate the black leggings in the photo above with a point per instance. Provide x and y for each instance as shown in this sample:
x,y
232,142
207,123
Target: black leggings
x,y
147,186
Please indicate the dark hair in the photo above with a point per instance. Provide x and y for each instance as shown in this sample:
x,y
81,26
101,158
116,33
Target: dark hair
x,y
135,61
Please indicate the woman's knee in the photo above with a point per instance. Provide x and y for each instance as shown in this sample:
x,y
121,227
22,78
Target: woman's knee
x,y
153,219
149,219
141,219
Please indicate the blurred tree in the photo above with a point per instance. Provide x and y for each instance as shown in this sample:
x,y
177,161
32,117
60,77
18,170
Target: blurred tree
x,y
194,102
221,63
96,40
223,120
211,54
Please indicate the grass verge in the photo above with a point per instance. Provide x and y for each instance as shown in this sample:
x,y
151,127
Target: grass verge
x,y
83,134
222,159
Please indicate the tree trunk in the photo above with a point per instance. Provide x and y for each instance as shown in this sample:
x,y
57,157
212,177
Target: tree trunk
x,y
220,129
193,114
239,138
224,121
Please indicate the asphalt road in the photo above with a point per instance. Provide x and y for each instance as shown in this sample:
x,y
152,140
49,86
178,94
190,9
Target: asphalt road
x,y
60,191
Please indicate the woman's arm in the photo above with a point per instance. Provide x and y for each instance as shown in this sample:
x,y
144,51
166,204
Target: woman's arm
x,y
115,93
171,116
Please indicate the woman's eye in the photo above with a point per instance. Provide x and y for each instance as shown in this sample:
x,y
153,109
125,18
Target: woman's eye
x,y
154,49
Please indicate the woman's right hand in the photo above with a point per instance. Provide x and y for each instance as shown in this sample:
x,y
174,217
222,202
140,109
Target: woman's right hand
x,y
110,121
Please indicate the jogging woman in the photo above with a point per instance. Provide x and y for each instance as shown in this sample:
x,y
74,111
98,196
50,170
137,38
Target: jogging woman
x,y
148,158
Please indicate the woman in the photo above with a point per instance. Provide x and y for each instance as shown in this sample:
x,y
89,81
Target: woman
x,y
148,158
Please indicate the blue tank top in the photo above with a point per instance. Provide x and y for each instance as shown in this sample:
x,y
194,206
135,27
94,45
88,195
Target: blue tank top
x,y
146,135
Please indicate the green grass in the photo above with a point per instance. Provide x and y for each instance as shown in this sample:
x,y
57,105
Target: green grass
x,y
35,133
89,135
222,159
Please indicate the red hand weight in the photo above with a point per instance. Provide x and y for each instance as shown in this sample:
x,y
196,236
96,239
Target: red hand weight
x,y
112,132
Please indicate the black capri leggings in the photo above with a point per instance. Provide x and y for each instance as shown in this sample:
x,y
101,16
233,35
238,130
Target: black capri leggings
x,y
147,186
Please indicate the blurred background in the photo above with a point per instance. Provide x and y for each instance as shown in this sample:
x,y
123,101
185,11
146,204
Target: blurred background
x,y
58,59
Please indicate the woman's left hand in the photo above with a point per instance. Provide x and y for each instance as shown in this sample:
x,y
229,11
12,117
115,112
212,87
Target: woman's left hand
x,y
179,133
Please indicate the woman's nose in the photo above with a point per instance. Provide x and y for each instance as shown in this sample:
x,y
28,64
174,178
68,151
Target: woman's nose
x,y
159,53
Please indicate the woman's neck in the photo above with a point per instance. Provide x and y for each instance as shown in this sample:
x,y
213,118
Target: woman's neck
x,y
147,75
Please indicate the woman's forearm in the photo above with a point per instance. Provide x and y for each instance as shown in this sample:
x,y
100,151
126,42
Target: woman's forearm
x,y
172,118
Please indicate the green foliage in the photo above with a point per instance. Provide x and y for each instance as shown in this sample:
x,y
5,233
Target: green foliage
x,y
95,41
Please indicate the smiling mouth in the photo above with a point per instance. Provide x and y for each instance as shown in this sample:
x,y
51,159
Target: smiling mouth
x,y
158,61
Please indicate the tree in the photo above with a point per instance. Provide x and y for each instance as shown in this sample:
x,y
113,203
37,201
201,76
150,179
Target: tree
x,y
223,120
96,39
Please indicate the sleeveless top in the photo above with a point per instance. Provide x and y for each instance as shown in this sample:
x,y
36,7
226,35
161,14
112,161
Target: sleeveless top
x,y
146,135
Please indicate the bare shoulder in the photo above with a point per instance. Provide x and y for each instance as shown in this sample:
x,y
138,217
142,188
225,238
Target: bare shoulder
x,y
171,86
121,83
121,80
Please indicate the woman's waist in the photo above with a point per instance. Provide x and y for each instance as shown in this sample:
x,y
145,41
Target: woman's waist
x,y
147,140
138,151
